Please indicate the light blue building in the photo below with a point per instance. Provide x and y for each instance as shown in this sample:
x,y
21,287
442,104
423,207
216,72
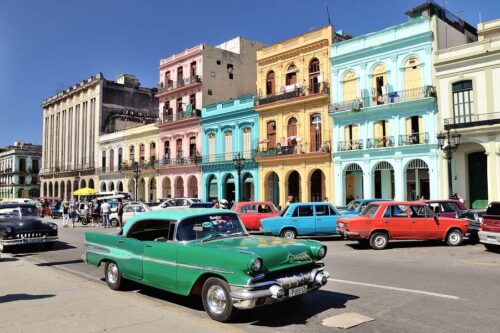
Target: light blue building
x,y
229,131
384,114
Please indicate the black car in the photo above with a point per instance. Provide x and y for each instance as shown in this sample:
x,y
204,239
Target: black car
x,y
21,224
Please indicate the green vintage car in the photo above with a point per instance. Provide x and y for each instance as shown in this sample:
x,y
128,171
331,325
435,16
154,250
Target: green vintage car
x,y
208,252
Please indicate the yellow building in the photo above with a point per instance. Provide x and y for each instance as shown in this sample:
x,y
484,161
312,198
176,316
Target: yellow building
x,y
141,152
295,130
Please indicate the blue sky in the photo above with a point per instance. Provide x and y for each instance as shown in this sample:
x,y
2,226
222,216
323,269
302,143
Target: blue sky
x,y
46,46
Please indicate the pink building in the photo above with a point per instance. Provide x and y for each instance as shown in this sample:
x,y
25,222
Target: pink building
x,y
198,76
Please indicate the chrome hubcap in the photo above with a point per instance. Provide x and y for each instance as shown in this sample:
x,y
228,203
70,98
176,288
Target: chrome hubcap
x,y
289,234
112,273
454,238
216,299
379,241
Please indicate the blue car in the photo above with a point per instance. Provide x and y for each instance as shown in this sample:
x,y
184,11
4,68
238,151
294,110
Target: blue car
x,y
301,219
355,207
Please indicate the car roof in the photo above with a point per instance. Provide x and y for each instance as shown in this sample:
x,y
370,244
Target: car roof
x,y
403,202
295,204
15,204
173,214
241,203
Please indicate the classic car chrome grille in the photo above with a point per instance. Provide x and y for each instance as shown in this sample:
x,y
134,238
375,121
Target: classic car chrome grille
x,y
30,235
294,281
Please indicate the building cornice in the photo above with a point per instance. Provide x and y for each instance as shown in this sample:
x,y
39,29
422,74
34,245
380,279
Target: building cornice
x,y
74,89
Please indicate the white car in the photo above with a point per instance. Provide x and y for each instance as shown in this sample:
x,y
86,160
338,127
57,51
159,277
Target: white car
x,y
181,202
130,210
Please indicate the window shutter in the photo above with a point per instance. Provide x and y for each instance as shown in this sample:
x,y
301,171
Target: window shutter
x,y
228,144
408,126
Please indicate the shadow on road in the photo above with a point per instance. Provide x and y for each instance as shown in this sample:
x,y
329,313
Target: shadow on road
x,y
22,297
8,259
59,263
33,249
408,244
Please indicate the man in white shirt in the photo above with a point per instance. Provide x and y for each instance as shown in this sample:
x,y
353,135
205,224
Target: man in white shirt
x,y
105,211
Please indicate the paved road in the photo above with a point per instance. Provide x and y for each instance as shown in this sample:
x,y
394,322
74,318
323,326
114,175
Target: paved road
x,y
410,287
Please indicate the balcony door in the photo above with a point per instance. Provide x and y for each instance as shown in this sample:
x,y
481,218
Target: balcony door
x,y
271,134
315,131
270,83
412,76
463,101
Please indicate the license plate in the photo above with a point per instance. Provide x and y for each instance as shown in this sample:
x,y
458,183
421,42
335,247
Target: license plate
x,y
297,291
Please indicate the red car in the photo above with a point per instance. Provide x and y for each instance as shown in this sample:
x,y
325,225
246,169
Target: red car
x,y
251,212
446,208
382,221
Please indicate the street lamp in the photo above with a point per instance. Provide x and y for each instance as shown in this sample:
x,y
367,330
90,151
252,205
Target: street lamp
x,y
137,175
449,143
239,164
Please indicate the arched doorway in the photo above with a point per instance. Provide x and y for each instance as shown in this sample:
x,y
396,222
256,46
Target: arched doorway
x,y
103,187
166,188
83,183
141,190
212,188
179,187
272,187
229,192
318,189
120,186
34,193
294,186
248,188
91,183
63,191
417,180
56,189
20,192
69,193
353,182
193,187
152,190
384,180
51,190
111,186
478,179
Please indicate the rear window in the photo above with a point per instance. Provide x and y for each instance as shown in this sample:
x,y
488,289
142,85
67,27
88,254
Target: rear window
x,y
493,209
369,211
283,212
449,207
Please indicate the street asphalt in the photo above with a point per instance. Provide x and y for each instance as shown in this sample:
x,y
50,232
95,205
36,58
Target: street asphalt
x,y
409,287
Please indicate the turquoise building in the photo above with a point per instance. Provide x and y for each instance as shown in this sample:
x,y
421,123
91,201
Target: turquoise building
x,y
384,114
229,130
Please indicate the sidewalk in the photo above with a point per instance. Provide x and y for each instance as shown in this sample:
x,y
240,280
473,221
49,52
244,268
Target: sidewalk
x,y
42,299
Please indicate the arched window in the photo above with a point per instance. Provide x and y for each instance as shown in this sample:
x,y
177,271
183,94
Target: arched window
x,y
313,76
463,101
315,130
247,142
291,132
379,83
228,145
350,86
412,77
271,134
270,83
291,75
141,152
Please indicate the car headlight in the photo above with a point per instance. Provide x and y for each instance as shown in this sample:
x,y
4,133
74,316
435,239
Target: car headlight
x,y
322,252
8,230
256,265
53,226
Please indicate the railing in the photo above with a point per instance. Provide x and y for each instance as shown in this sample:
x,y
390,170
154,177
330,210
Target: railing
x,y
380,142
227,157
413,139
181,115
68,168
350,145
110,169
180,160
389,98
142,165
472,120
171,85
294,91
306,148
8,170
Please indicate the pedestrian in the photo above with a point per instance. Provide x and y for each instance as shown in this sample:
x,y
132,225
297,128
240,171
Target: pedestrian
x,y
224,204
216,204
290,200
422,198
326,199
72,212
65,215
105,210
119,210
96,211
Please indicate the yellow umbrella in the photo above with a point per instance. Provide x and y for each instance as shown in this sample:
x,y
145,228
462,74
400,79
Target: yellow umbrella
x,y
85,191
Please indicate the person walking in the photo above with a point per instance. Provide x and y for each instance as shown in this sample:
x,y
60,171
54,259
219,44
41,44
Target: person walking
x,y
119,210
105,210
96,212
72,212
224,204
65,215
290,200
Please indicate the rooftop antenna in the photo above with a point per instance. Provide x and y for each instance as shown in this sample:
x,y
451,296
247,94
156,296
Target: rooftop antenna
x,y
480,18
328,14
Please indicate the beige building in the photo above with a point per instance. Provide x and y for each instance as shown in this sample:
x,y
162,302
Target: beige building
x,y
468,80
73,120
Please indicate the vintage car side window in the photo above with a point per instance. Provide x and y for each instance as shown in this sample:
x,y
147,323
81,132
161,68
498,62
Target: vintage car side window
x,y
209,227
399,211
435,207
322,210
8,213
249,209
369,211
128,209
264,209
303,211
140,209
149,230
29,211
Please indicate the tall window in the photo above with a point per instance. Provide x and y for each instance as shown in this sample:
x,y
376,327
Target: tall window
x,y
179,148
415,129
179,107
270,83
142,153
271,134
112,159
412,76
247,142
313,76
166,151
193,69
351,135
350,86
211,147
35,166
120,156
291,75
152,152
379,83
167,111
192,147
381,133
316,137
180,77
291,132
192,101
103,164
228,145
463,101
168,80
131,154
22,164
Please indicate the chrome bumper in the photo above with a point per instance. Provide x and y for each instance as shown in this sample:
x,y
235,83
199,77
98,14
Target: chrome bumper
x,y
488,237
31,240
253,295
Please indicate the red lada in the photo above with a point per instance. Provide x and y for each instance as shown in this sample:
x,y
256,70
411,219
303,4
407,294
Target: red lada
x,y
251,212
381,221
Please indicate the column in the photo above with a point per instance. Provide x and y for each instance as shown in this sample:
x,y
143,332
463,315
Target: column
x,y
282,188
399,184
367,179
220,184
493,163
433,178
145,194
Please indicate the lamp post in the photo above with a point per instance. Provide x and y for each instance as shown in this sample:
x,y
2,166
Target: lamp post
x,y
239,164
449,143
137,175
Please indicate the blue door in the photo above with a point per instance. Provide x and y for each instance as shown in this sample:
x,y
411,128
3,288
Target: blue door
x,y
326,219
303,220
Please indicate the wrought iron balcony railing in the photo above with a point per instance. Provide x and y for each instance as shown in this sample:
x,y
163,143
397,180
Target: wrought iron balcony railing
x,y
171,85
472,120
380,142
224,158
300,148
180,160
350,145
413,139
389,98
294,91
168,118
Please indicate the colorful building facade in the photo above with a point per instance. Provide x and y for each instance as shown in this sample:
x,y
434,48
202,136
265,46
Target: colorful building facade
x,y
230,129
111,163
294,128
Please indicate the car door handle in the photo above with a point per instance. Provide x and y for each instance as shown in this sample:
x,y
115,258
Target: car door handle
x,y
147,245
317,219
120,241
413,221
386,222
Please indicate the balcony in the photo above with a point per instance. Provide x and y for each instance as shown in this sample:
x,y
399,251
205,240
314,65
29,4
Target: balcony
x,y
8,170
170,118
380,142
350,145
143,165
110,169
413,139
298,149
179,160
178,85
472,120
226,158
294,91
378,100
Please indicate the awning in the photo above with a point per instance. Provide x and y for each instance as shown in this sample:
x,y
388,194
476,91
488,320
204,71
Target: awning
x,y
230,181
248,179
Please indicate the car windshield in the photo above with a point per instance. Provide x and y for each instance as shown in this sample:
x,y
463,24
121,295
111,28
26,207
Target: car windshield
x,y
207,227
369,210
353,205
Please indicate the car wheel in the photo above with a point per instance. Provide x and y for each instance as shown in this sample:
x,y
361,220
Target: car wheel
x,y
454,237
289,233
114,222
77,218
379,240
85,221
113,275
217,299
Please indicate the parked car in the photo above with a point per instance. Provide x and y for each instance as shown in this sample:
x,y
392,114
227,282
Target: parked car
x,y
355,207
252,212
163,205
21,224
489,234
177,202
129,210
384,221
208,252
201,205
303,219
